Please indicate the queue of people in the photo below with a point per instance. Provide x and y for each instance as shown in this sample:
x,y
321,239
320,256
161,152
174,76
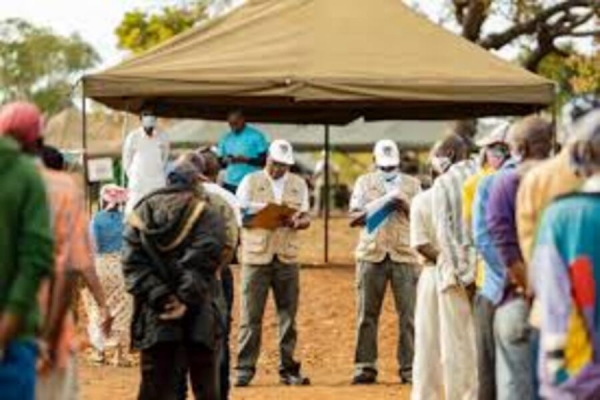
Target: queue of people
x,y
493,269
510,234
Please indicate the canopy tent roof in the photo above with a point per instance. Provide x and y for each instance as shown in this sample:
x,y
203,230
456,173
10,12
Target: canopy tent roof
x,y
320,61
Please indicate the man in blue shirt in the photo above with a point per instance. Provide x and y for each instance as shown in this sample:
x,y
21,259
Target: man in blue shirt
x,y
243,150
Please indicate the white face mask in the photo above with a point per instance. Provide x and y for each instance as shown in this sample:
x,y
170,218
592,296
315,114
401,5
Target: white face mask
x,y
441,164
149,121
389,175
517,157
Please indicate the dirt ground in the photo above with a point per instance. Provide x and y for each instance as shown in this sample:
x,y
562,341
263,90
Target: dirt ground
x,y
326,337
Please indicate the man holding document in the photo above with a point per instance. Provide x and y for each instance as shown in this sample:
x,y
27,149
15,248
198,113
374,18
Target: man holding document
x,y
381,205
275,205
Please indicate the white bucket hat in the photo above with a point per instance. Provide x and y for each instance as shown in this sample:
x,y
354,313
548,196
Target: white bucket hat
x,y
386,154
498,135
281,151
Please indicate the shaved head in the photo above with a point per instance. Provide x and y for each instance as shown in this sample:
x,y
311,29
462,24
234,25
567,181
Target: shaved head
x,y
532,138
211,161
452,146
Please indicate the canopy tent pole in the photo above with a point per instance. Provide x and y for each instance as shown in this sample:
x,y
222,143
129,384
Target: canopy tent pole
x,y
555,125
123,138
326,195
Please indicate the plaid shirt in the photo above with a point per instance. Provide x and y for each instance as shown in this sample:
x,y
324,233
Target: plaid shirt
x,y
72,251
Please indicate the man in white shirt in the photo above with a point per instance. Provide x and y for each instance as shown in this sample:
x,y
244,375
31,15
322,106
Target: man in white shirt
x,y
383,255
269,260
145,155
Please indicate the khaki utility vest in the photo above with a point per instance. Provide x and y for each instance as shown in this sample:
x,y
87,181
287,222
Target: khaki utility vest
x,y
393,236
260,246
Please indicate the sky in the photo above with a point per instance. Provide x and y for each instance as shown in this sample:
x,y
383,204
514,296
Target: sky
x,y
94,20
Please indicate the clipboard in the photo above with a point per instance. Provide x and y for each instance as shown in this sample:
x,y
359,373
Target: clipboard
x,y
270,216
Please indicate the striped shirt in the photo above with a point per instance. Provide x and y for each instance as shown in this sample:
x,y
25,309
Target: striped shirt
x,y
455,263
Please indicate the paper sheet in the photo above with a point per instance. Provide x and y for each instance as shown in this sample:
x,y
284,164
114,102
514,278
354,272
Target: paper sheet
x,y
379,210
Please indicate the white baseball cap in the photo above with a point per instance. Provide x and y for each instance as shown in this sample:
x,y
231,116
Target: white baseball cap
x,y
498,135
281,151
386,154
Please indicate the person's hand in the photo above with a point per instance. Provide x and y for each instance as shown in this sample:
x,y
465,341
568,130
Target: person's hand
x,y
174,309
358,220
9,326
238,160
517,275
471,290
400,205
287,222
107,321
296,222
45,360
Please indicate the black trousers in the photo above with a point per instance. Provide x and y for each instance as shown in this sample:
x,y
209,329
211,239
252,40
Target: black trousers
x,y
228,291
163,366
225,350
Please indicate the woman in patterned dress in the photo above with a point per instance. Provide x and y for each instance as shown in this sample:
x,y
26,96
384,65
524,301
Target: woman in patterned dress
x,y
107,231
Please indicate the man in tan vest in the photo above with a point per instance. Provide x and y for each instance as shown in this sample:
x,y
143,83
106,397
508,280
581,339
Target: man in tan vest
x,y
269,261
383,254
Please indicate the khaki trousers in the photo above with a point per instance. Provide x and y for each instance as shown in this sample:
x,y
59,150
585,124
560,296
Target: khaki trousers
x,y
257,280
372,280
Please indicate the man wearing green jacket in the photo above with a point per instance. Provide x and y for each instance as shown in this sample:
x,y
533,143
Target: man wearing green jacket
x,y
26,252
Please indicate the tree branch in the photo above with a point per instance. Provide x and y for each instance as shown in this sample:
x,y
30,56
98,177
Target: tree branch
x,y
593,32
499,40
473,19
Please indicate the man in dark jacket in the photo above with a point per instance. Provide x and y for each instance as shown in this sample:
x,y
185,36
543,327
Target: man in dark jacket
x,y
173,244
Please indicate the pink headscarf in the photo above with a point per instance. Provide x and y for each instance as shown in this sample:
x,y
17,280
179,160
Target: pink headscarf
x,y
113,195
22,121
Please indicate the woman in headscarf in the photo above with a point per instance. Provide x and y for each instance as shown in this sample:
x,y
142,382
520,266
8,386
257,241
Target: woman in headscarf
x,y
565,272
107,232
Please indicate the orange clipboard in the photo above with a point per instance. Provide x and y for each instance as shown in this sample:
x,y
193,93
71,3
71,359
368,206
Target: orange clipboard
x,y
270,217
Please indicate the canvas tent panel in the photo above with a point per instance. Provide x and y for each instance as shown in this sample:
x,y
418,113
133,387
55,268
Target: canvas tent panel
x,y
321,61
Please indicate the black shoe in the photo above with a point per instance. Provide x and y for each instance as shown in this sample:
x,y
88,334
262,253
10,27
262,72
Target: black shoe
x,y
293,377
406,381
367,376
244,378
290,379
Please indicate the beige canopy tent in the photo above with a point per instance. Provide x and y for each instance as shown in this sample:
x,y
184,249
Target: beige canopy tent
x,y
320,61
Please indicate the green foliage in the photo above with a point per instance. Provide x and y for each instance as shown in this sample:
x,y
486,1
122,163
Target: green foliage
x,y
586,77
140,30
40,65
556,68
